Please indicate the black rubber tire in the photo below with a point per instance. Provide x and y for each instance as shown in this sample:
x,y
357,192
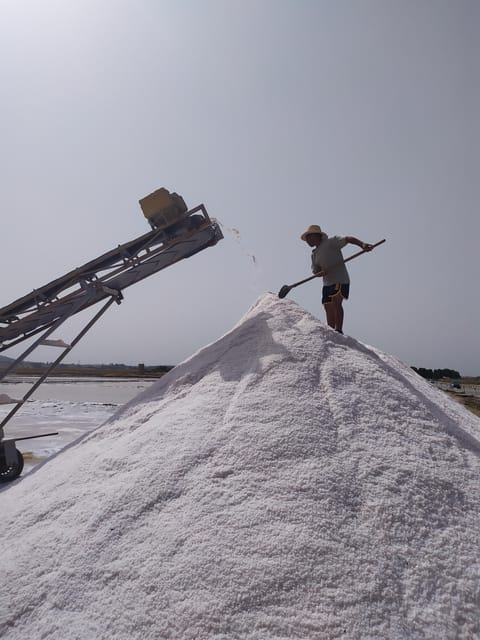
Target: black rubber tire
x,y
12,471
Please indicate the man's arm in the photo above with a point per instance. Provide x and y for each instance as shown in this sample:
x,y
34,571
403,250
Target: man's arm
x,y
363,245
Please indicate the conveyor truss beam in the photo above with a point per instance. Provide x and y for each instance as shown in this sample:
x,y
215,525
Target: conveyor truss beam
x,y
41,312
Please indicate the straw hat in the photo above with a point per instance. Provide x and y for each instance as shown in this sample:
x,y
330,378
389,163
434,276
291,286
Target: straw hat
x,y
313,228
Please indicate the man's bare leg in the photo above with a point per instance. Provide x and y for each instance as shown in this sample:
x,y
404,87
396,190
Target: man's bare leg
x,y
334,313
330,313
337,303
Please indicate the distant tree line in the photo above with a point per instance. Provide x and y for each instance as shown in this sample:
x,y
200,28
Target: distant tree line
x,y
436,374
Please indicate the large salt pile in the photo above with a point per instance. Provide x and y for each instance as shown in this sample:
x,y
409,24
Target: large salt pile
x,y
284,482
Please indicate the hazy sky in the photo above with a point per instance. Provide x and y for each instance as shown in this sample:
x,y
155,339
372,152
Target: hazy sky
x,y
360,116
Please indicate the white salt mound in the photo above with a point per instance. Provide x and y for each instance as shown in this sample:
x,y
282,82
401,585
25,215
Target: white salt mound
x,y
284,482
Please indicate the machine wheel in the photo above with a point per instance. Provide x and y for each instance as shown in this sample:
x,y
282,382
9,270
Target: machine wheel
x,y
12,471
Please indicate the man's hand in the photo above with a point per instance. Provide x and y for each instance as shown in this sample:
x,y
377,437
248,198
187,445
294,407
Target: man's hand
x,y
366,246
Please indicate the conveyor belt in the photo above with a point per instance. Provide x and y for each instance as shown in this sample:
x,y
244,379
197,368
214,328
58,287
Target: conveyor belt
x,y
106,275
44,310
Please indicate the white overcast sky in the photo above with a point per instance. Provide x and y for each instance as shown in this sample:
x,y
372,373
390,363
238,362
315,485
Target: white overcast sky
x,y
358,115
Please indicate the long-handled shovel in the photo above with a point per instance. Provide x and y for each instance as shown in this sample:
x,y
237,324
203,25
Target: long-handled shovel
x,y
287,287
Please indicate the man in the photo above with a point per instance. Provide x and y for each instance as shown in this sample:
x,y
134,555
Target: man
x,y
327,258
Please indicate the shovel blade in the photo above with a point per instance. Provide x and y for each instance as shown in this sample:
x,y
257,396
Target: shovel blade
x,y
284,291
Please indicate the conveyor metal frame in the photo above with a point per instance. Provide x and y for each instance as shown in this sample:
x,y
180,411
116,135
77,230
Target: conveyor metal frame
x,y
45,309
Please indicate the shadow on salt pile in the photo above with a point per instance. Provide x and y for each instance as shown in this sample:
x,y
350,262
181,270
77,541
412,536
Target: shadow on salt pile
x,y
411,382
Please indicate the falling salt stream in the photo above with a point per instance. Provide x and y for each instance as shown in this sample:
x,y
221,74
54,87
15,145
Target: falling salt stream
x,y
283,482
235,234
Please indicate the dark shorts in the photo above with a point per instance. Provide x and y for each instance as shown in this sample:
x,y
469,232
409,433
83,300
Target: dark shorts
x,y
331,291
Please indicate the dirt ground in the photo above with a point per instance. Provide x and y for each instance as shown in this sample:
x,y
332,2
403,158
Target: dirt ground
x,y
470,401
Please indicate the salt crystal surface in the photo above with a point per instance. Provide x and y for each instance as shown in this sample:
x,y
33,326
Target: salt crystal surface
x,y
283,482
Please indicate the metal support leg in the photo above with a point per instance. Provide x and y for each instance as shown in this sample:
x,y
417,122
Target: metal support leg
x,y
35,344
88,326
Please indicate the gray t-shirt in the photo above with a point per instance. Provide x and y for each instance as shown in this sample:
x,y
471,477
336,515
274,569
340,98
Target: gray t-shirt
x,y
327,254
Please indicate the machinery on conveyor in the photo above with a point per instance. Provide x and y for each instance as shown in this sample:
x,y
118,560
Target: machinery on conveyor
x,y
176,233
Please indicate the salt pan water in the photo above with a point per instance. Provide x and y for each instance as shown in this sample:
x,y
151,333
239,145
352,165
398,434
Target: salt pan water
x,y
72,406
